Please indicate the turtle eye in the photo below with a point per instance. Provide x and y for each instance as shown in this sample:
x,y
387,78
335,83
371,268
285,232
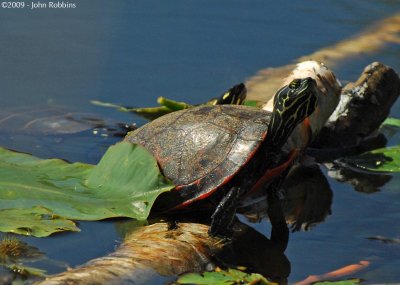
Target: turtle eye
x,y
295,84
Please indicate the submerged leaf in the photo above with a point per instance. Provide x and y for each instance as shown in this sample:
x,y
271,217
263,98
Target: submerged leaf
x,y
222,277
385,239
14,250
39,197
380,160
26,271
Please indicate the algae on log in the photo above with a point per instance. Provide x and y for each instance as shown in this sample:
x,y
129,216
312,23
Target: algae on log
x,y
262,86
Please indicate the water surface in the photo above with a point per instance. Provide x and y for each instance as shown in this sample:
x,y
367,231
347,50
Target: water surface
x,y
131,52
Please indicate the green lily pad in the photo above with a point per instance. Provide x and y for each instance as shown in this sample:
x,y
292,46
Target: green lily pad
x,y
222,277
36,221
128,181
379,160
39,197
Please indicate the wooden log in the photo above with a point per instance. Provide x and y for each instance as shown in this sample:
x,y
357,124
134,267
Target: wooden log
x,y
156,248
363,106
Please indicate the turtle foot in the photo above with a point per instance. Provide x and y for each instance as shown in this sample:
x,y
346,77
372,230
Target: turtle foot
x,y
222,218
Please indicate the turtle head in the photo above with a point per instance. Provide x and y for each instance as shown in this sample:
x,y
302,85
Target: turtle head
x,y
292,104
234,96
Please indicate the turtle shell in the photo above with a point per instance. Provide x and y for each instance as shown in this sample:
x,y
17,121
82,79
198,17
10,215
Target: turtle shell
x,y
202,148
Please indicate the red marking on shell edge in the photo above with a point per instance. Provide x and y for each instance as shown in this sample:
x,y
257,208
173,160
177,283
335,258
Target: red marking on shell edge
x,y
226,180
269,174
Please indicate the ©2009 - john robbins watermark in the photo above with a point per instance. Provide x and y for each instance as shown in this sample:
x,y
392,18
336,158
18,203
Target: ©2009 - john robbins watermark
x,y
38,5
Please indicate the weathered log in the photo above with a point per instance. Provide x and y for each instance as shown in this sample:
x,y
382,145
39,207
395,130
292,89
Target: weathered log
x,y
154,248
364,105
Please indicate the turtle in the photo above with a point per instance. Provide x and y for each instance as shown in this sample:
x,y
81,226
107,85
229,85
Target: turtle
x,y
234,96
230,148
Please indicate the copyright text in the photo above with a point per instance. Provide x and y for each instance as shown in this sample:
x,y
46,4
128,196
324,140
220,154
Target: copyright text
x,y
38,5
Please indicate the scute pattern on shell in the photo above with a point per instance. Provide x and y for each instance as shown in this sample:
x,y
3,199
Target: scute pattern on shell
x,y
203,145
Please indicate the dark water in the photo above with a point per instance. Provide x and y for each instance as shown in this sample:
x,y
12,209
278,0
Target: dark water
x,y
131,52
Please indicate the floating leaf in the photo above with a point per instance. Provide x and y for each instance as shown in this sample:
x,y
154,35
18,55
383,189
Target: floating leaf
x,y
222,277
39,197
169,105
392,122
128,180
380,160
37,221
172,104
150,113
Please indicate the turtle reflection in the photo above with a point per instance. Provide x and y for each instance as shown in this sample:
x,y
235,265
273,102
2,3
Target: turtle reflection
x,y
308,199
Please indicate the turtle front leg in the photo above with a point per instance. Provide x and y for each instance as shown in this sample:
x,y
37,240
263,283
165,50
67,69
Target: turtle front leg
x,y
222,218
279,230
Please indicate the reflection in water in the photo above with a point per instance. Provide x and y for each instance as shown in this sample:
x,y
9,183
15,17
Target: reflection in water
x,y
240,251
178,244
362,181
307,201
270,262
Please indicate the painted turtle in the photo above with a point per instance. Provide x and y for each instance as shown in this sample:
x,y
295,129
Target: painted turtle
x,y
230,148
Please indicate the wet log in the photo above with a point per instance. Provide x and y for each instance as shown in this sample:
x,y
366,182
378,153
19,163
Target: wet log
x,y
154,248
363,106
